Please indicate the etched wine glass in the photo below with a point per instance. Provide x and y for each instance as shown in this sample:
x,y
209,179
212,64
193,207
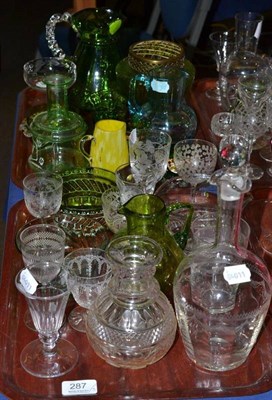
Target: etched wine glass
x,y
89,273
195,160
43,193
49,356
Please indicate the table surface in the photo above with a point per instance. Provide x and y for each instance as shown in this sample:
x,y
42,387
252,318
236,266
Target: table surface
x,y
172,377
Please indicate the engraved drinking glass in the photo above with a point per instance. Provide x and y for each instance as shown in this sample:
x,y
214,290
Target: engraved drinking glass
x,y
88,274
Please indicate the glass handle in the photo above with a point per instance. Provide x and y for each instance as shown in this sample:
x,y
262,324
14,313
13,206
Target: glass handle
x,y
137,99
50,33
181,237
82,144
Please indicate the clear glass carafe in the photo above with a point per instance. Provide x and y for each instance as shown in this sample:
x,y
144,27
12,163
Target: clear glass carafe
x,y
132,323
222,293
94,95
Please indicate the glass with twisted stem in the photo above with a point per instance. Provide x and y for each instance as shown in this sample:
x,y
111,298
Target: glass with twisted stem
x,y
48,356
195,160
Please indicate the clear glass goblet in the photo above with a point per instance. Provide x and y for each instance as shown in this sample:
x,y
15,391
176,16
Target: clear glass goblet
x,y
48,356
149,151
223,44
250,113
43,193
89,273
195,160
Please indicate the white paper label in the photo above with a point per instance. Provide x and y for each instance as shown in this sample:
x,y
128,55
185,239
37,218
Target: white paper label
x,y
79,388
159,86
237,274
28,281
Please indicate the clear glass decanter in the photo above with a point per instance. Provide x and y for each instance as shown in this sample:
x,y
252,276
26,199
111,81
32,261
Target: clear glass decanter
x,y
222,293
132,323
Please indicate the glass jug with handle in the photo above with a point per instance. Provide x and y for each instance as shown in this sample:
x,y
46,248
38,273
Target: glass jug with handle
x,y
158,100
147,215
94,94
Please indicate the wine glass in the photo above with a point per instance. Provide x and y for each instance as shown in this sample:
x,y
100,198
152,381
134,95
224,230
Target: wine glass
x,y
250,113
43,193
149,151
223,44
195,160
48,356
88,274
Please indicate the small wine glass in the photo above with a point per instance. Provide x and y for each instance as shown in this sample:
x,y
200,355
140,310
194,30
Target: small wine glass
x,y
43,193
223,44
89,273
195,161
48,356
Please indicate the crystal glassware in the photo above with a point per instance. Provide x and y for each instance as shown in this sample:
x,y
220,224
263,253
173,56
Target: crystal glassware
x,y
195,160
223,44
89,273
130,184
56,132
250,113
111,202
49,356
132,323
43,193
149,151
222,293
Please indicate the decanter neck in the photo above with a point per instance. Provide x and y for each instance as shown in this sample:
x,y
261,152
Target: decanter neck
x,y
231,189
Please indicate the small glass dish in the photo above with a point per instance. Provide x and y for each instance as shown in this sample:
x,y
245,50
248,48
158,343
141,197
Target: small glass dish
x,y
82,190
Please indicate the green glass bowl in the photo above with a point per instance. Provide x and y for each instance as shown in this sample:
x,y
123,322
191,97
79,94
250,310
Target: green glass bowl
x,y
83,188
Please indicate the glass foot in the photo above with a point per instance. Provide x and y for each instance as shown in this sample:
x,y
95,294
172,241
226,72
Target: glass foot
x,y
254,172
36,362
77,319
266,153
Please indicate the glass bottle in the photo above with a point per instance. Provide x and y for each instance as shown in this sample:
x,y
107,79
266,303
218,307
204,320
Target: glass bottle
x,y
222,293
243,60
132,323
147,215
95,93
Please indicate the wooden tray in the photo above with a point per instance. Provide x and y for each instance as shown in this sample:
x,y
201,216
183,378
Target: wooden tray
x,y
172,377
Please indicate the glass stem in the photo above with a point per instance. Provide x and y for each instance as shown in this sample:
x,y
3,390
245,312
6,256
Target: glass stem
x,y
49,343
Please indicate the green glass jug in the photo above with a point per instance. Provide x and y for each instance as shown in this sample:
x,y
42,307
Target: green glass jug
x,y
147,215
94,94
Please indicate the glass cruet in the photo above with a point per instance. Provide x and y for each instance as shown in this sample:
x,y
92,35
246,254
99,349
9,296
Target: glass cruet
x,y
147,214
57,131
132,323
94,94
222,293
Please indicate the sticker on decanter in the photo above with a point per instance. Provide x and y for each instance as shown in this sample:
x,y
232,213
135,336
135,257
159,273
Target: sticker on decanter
x,y
79,388
235,274
28,281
